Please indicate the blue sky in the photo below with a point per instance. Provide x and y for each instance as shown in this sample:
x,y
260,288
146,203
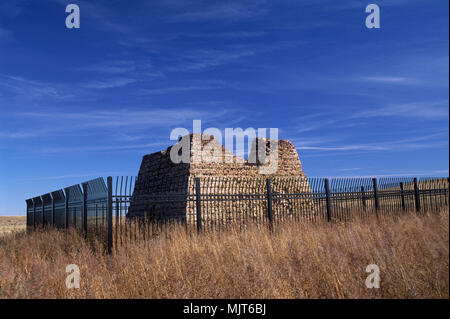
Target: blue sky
x,y
81,103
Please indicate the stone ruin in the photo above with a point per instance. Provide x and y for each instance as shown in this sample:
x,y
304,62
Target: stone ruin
x,y
162,187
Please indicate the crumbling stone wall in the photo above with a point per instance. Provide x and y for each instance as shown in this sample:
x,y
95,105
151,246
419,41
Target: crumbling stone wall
x,y
221,172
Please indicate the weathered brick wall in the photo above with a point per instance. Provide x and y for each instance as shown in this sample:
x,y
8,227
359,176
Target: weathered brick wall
x,y
159,176
221,171
204,164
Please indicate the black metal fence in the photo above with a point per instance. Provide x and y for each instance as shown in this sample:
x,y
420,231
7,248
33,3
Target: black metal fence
x,y
100,210
83,207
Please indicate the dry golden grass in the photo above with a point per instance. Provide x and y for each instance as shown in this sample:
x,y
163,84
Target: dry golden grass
x,y
9,224
296,261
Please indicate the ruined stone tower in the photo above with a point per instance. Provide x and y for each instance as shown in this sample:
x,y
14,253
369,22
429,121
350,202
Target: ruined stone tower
x,y
159,176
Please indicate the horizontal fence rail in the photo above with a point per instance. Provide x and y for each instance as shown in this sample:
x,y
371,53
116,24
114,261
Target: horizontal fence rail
x,y
128,208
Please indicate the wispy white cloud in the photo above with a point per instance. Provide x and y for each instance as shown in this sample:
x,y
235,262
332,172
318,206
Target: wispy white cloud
x,y
312,141
138,70
308,126
351,147
420,142
102,122
389,79
122,137
20,135
220,11
202,59
108,84
111,67
221,35
207,58
428,110
177,89
99,148
431,109
30,88
125,117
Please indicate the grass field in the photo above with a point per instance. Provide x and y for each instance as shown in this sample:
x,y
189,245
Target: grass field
x,y
9,224
298,260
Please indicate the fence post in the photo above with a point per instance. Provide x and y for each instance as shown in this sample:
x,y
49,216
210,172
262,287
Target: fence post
x,y
43,212
402,194
375,193
327,194
199,204
34,214
85,228
269,203
363,197
66,210
53,210
109,214
417,194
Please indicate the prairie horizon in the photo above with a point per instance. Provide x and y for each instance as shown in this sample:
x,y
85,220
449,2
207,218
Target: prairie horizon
x,y
12,223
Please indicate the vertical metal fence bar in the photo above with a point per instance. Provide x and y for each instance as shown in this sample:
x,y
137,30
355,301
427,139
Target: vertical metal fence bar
x,y
363,197
402,195
109,215
66,211
34,214
269,203
117,212
417,194
53,211
327,197
199,204
84,185
129,195
42,211
375,194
